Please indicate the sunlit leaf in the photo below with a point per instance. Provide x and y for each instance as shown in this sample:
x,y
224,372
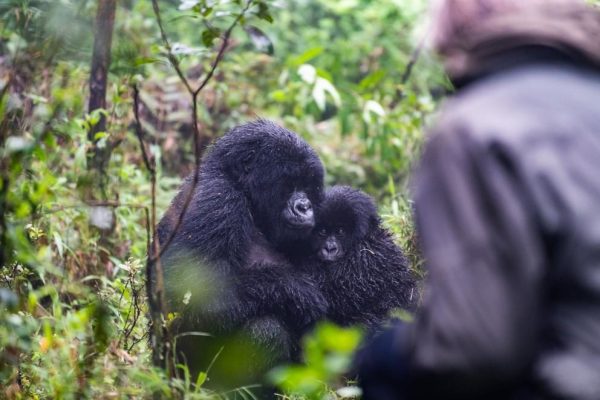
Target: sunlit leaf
x,y
307,56
371,108
188,4
308,73
321,89
201,379
58,243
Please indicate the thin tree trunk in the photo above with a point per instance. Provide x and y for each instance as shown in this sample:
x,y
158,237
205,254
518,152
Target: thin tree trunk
x,y
105,21
99,156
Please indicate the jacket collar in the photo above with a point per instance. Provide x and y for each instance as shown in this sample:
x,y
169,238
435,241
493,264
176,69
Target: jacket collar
x,y
512,58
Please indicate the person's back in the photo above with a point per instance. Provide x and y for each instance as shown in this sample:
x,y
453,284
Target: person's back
x,y
508,210
529,140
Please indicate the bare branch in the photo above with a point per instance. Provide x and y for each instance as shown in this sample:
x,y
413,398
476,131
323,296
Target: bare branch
x,y
139,131
225,42
172,58
195,93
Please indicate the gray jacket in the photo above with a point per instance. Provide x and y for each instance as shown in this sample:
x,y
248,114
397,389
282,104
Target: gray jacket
x,y
508,211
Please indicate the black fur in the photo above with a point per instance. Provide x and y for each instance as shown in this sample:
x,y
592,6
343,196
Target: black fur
x,y
364,275
229,253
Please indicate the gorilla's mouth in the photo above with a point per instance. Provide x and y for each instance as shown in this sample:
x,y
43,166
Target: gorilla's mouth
x,y
300,225
330,255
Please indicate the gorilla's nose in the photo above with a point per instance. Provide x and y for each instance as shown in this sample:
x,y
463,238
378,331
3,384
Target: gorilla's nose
x,y
299,212
331,247
303,207
330,251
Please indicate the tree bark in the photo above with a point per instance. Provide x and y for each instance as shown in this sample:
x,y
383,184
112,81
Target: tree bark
x,y
105,20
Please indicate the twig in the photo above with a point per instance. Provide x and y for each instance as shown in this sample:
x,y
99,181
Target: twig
x,y
172,59
156,299
139,133
134,305
95,203
414,57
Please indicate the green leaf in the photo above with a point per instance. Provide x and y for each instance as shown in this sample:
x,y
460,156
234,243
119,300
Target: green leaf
x,y
306,56
206,11
371,80
209,36
200,380
100,135
145,60
263,12
58,243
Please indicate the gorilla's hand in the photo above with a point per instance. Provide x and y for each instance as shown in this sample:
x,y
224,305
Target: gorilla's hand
x,y
279,290
304,303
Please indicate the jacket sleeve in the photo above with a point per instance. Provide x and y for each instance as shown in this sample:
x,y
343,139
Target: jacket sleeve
x,y
479,324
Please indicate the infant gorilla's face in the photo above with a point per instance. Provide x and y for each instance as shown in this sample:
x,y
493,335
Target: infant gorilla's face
x,y
331,242
344,219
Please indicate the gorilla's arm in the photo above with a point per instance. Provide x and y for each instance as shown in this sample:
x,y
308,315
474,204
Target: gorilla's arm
x,y
216,300
217,224
279,290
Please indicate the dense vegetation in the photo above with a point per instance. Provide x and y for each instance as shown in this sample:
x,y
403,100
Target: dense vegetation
x,y
83,180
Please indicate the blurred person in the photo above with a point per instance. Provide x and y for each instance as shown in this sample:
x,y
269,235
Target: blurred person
x,y
507,199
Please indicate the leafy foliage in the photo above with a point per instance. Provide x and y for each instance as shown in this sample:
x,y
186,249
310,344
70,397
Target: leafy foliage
x,y
73,310
328,356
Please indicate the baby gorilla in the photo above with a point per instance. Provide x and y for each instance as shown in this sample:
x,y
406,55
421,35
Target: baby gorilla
x,y
363,274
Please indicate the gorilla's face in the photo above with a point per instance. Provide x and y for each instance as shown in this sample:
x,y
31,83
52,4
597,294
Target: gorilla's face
x,y
284,200
345,218
281,178
330,241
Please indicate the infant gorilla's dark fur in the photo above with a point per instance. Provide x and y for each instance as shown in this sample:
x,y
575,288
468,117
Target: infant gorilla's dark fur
x,y
363,273
226,271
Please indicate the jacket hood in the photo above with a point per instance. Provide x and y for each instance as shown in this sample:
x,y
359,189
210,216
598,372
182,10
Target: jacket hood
x,y
569,27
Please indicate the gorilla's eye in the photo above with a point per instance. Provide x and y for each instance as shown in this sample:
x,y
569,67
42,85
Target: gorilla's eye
x,y
341,231
322,232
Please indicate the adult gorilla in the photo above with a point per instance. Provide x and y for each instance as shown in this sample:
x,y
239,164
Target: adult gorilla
x,y
226,271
